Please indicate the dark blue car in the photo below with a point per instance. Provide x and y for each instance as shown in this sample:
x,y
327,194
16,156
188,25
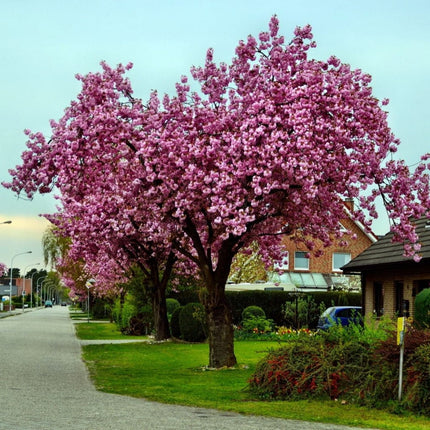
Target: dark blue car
x,y
342,315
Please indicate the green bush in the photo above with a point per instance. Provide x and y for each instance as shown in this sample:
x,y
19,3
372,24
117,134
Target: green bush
x,y
257,325
142,323
270,301
253,312
303,311
172,305
192,323
175,330
422,309
123,313
101,308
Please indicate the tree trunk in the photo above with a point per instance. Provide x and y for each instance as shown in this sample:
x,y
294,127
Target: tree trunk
x,y
159,307
220,327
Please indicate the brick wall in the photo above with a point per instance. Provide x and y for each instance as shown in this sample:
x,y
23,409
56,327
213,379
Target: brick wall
x,y
410,277
324,263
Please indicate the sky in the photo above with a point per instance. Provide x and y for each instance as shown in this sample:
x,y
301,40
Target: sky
x,y
46,42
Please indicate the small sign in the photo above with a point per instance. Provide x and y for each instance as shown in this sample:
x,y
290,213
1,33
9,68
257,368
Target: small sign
x,y
23,293
400,330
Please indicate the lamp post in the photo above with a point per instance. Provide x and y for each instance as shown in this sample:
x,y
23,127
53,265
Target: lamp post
x,y
23,284
89,284
49,288
31,293
37,287
10,283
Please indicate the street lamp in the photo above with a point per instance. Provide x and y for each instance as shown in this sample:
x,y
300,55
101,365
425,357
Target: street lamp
x,y
31,294
37,287
6,222
23,284
10,283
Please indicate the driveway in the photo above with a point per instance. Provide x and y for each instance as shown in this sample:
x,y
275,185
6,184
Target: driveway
x,y
45,385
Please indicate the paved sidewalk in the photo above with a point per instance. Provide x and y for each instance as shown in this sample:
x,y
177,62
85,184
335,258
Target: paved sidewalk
x,y
45,385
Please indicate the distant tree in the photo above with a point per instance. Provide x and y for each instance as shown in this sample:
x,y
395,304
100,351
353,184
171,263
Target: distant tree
x,y
55,246
248,266
16,273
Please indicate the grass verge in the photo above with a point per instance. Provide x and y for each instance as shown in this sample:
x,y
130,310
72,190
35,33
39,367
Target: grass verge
x,y
101,330
176,373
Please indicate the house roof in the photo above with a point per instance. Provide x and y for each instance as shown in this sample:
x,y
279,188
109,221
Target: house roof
x,y
384,251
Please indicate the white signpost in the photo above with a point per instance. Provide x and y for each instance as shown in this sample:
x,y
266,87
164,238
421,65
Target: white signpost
x,y
401,329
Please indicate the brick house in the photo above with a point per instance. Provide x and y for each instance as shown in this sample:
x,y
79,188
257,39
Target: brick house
x,y
306,271
17,286
389,280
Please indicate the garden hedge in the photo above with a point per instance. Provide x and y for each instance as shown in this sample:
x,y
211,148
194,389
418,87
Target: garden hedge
x,y
272,301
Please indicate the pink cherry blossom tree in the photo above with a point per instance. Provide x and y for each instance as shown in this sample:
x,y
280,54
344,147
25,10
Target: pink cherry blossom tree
x,y
3,269
110,252
271,144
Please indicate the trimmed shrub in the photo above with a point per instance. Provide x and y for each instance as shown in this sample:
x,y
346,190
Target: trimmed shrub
x,y
122,314
257,325
175,330
422,309
192,323
253,312
171,305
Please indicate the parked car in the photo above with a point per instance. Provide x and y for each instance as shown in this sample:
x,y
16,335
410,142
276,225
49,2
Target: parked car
x,y
48,304
342,315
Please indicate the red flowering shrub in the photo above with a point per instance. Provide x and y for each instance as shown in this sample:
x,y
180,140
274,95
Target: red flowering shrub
x,y
417,387
350,365
382,381
310,367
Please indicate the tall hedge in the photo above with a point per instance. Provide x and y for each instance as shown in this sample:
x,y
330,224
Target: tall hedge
x,y
422,309
272,301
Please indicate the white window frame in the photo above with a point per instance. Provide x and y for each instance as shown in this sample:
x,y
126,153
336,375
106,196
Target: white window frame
x,y
301,258
337,269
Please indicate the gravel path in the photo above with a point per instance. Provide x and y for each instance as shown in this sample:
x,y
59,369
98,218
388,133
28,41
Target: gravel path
x,y
45,385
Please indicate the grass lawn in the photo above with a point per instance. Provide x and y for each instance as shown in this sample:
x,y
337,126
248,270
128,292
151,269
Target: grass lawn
x,y
101,330
176,373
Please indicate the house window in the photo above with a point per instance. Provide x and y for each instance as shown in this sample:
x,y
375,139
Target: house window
x,y
340,259
301,260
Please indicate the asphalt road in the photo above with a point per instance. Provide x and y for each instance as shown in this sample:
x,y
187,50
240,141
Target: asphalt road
x,y
44,384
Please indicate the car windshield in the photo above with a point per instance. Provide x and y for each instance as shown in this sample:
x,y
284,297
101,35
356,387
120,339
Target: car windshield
x,y
327,312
